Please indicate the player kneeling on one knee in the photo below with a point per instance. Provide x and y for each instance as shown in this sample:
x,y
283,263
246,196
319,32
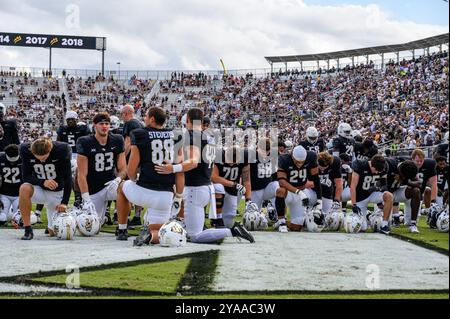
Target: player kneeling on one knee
x,y
47,179
367,187
330,181
263,173
199,191
427,177
298,175
10,182
99,157
403,183
150,146
228,170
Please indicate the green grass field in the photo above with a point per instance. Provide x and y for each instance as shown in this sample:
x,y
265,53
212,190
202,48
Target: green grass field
x,y
169,279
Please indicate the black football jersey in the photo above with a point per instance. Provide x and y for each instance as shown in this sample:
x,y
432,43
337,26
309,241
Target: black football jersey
x,y
156,147
11,134
427,171
201,175
231,172
297,177
361,154
318,147
442,178
328,176
367,181
344,145
57,167
102,159
70,135
11,176
262,172
392,173
130,126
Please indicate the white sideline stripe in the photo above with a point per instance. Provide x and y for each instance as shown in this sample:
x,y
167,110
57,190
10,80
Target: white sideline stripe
x,y
50,254
328,262
20,289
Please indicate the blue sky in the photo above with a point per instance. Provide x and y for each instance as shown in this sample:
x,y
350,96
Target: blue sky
x,y
420,11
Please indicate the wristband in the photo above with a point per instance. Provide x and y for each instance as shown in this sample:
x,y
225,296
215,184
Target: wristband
x,y
86,197
178,195
177,168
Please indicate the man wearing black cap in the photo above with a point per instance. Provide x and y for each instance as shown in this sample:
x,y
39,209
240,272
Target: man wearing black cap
x,y
99,157
10,180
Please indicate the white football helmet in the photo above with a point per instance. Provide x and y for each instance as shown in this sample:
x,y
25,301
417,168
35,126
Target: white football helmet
x,y
252,217
352,224
66,226
289,145
314,221
356,133
442,222
71,115
375,219
88,225
270,213
312,135
172,234
264,224
345,130
334,220
115,122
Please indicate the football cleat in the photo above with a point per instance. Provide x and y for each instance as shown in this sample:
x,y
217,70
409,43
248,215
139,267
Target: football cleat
x,y
385,230
283,228
413,229
122,235
28,234
144,238
240,232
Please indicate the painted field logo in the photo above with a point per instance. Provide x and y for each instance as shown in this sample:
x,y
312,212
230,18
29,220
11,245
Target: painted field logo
x,y
373,277
73,279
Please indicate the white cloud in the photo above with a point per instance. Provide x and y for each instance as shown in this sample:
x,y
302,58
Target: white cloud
x,y
195,34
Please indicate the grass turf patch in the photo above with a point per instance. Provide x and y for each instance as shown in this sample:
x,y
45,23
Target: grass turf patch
x,y
162,277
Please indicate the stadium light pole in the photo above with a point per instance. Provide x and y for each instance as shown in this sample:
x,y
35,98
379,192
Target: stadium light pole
x,y
118,63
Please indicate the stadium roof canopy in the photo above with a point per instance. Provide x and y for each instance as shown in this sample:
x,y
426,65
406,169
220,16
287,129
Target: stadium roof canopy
x,y
419,44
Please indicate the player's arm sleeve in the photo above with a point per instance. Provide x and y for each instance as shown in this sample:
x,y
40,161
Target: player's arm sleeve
x,y
67,177
27,170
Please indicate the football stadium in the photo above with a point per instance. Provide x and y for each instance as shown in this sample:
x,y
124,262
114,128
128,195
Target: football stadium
x,y
320,175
